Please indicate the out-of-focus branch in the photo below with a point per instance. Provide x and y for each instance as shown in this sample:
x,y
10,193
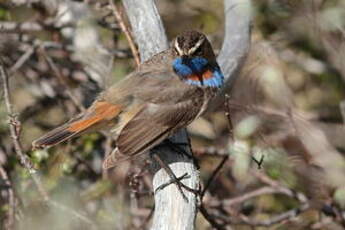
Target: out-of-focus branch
x,y
171,210
342,110
238,16
243,220
236,44
147,27
273,187
20,27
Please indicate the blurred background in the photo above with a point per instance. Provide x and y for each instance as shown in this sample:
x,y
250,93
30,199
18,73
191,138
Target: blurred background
x,y
287,107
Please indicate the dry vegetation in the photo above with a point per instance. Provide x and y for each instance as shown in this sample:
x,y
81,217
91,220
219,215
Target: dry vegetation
x,y
287,108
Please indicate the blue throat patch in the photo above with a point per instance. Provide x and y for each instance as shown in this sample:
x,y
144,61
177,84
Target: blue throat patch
x,y
188,68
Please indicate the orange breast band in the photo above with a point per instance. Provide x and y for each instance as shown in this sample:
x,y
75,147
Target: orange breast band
x,y
207,74
194,77
204,76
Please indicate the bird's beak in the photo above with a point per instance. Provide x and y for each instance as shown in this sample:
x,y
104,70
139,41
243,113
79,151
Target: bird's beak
x,y
184,59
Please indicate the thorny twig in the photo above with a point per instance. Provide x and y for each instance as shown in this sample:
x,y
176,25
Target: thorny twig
x,y
15,132
15,129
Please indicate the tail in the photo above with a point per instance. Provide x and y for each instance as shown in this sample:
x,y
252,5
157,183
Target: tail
x,y
99,113
54,137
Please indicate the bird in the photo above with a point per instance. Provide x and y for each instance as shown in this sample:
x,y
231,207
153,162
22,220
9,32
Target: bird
x,y
164,94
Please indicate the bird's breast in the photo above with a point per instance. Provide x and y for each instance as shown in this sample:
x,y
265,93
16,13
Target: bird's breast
x,y
198,71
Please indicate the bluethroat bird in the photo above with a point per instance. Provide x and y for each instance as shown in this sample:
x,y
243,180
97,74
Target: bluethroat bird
x,y
165,94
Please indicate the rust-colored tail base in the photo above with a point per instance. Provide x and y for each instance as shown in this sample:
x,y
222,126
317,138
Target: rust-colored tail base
x,y
99,113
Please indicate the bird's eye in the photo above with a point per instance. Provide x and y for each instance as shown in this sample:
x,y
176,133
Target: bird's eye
x,y
176,51
197,48
198,51
195,51
177,48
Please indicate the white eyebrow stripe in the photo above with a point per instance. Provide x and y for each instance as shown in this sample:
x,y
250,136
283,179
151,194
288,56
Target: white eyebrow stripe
x,y
178,48
197,45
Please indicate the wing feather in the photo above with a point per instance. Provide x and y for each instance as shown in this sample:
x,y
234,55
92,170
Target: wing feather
x,y
150,127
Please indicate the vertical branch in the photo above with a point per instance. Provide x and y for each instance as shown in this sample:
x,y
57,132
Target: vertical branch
x,y
147,27
236,44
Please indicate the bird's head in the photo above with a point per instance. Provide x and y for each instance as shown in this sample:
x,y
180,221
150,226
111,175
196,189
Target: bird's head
x,y
192,44
195,62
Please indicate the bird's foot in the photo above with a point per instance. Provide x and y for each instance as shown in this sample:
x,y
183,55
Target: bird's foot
x,y
174,179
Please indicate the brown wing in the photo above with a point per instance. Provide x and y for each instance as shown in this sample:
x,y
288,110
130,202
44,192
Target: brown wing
x,y
150,127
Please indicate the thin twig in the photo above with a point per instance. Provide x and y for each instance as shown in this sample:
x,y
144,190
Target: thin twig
x,y
231,129
275,184
342,110
59,75
226,157
126,31
274,187
20,62
227,114
73,213
148,218
210,218
10,222
214,174
244,220
246,196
